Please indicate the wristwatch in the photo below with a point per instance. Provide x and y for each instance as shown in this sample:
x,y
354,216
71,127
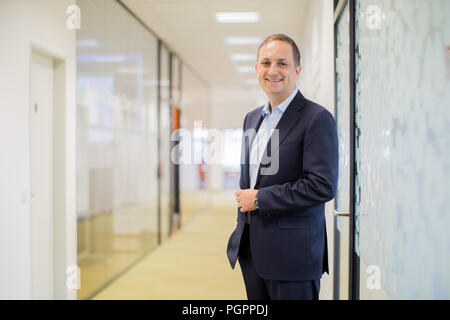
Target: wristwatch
x,y
255,202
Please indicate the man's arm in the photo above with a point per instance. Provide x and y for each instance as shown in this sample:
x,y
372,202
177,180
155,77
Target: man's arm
x,y
320,171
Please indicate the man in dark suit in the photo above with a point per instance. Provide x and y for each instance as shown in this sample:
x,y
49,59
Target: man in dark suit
x,y
289,169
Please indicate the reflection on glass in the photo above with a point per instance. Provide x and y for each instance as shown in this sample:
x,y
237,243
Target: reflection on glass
x,y
194,108
116,142
343,111
403,148
343,127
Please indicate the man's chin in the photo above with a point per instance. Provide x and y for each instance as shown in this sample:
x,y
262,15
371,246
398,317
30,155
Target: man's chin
x,y
272,91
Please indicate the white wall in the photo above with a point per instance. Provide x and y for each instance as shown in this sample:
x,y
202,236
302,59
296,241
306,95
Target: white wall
x,y
231,104
24,24
317,50
317,84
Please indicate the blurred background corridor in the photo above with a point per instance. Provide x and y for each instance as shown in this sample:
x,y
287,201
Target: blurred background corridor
x,y
98,97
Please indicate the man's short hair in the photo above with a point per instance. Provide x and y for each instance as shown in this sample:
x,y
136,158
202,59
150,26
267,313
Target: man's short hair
x,y
285,38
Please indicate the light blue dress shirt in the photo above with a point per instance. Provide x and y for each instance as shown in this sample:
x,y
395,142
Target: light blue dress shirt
x,y
264,133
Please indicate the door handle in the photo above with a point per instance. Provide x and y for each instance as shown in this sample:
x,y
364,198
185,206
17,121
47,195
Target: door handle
x,y
340,214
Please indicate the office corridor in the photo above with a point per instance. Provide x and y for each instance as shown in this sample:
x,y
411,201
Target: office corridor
x,y
194,257
121,127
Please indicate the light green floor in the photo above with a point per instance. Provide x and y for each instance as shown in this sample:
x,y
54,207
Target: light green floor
x,y
191,265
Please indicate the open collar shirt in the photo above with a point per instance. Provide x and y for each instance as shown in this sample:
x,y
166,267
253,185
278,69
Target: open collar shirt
x,y
268,125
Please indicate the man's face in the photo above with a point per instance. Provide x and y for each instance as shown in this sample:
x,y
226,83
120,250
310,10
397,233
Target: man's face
x,y
277,74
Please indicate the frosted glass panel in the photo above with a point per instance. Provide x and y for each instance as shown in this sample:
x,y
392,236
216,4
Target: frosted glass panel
x,y
403,148
343,110
343,126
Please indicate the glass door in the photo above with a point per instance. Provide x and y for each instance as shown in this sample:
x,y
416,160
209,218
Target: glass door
x,y
392,94
402,149
342,114
344,249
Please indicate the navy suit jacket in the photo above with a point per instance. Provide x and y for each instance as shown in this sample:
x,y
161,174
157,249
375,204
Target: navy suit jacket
x,y
288,237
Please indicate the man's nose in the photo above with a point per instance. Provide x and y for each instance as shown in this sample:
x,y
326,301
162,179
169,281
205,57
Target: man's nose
x,y
273,69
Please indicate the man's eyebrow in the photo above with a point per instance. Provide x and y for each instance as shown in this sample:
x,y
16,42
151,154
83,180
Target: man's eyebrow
x,y
268,59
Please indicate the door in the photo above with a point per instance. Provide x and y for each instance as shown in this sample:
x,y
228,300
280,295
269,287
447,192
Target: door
x,y
41,122
345,264
402,150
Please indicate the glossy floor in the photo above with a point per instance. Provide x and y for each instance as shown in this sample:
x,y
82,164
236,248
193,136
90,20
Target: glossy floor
x,y
192,264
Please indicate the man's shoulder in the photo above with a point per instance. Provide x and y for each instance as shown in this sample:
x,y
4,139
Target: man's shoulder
x,y
314,109
255,112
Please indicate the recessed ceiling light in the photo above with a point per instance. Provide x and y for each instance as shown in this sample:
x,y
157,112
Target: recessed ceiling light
x,y
237,41
127,70
245,69
237,17
243,57
89,43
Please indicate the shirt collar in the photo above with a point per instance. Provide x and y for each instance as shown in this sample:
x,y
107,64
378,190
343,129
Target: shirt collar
x,y
281,107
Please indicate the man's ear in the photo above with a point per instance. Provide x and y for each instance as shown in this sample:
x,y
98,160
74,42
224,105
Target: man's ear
x,y
298,70
256,67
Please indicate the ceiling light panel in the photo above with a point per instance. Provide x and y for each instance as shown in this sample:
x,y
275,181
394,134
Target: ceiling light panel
x,y
237,17
243,57
245,69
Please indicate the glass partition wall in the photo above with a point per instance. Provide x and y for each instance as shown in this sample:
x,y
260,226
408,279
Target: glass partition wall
x,y
193,172
403,148
164,139
396,85
123,142
342,114
175,98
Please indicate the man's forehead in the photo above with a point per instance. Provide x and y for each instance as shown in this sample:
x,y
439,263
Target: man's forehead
x,y
282,49
276,50
278,43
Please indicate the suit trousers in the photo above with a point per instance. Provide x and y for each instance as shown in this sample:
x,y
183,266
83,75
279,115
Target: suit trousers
x,y
266,289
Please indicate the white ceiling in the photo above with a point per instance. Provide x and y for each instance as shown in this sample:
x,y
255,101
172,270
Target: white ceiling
x,y
190,29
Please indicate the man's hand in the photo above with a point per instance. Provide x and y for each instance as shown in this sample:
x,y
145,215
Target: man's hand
x,y
245,199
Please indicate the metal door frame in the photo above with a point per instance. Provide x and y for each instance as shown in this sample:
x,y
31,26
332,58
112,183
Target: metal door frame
x,y
353,257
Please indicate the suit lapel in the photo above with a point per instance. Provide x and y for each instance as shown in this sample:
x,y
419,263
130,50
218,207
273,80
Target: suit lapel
x,y
253,127
290,117
287,122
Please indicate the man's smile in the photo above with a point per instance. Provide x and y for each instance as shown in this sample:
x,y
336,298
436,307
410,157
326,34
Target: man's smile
x,y
274,80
